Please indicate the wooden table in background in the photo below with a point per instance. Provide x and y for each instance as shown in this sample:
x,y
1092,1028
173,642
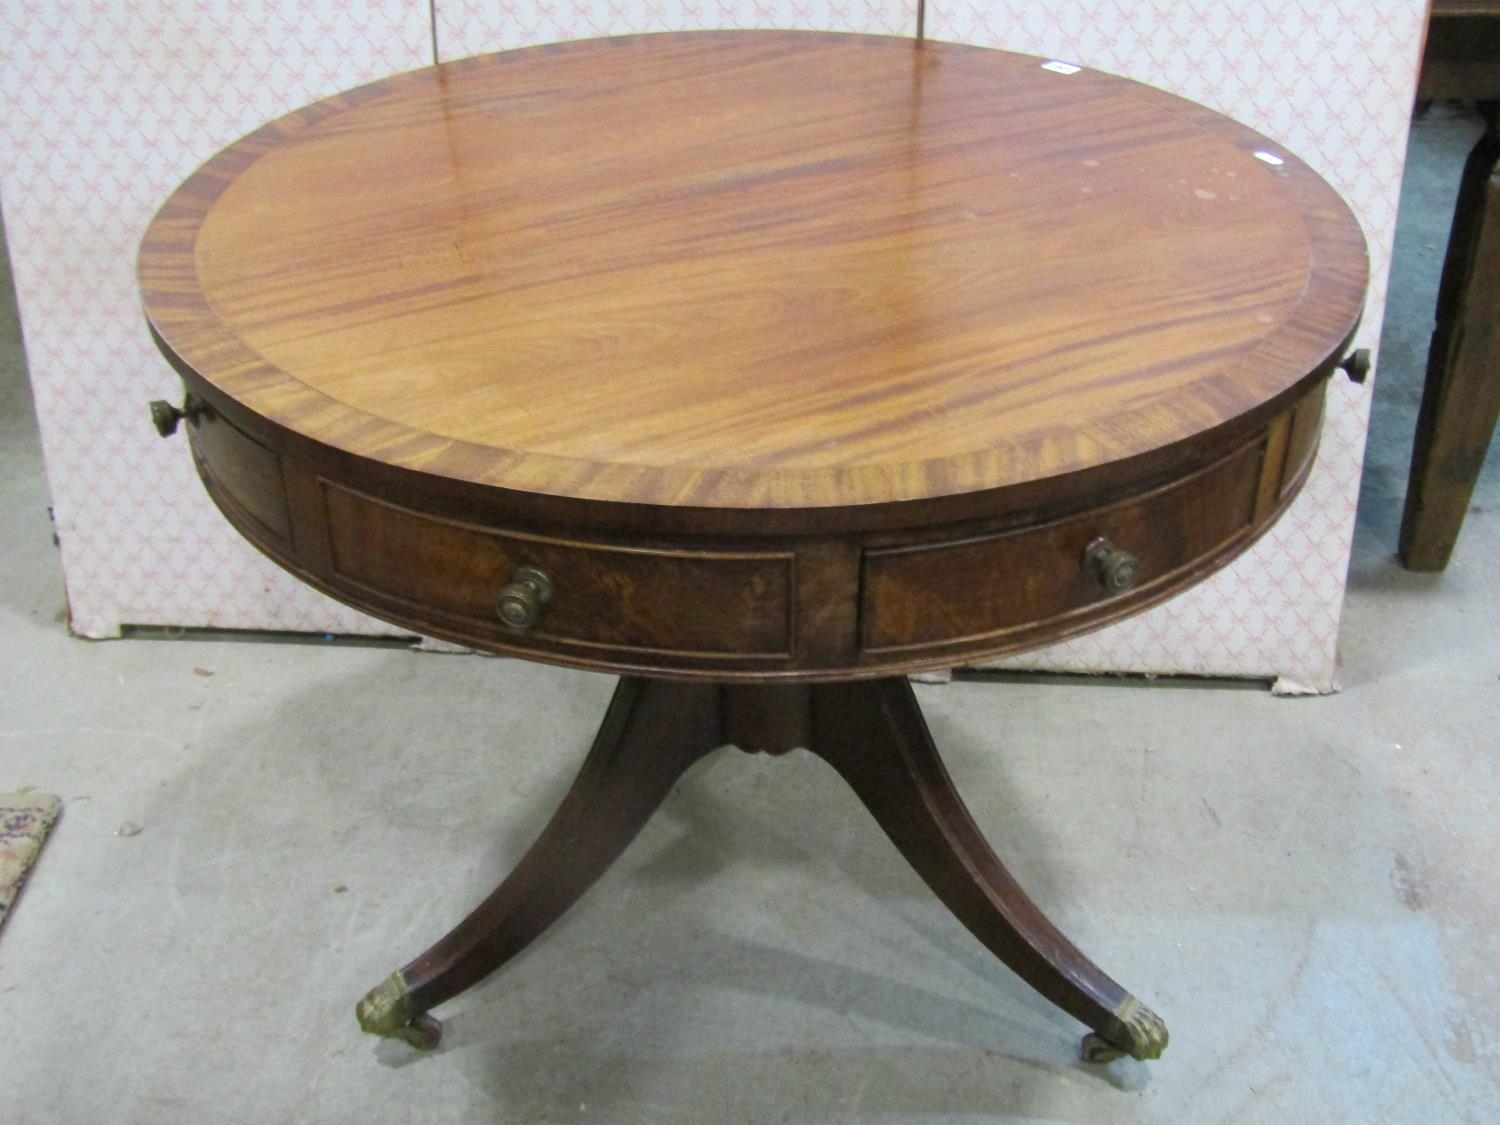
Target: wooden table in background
x,y
760,369
1461,398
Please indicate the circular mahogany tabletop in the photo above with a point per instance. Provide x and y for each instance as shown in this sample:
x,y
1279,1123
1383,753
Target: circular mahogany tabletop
x,y
755,271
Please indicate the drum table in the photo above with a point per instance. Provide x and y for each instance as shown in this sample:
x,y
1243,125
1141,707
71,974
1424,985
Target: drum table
x,y
761,369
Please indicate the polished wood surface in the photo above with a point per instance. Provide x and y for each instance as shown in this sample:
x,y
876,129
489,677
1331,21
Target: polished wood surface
x,y
1445,8
765,393
732,606
1461,58
783,363
754,271
986,586
1461,395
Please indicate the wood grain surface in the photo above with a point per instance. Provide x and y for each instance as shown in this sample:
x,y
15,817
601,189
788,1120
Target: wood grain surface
x,y
756,272
754,358
781,356
874,735
1461,395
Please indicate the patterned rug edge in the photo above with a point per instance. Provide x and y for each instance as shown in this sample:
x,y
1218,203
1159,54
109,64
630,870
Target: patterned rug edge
x,y
26,821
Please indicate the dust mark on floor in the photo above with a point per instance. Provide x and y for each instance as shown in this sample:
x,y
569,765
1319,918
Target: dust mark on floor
x,y
1411,888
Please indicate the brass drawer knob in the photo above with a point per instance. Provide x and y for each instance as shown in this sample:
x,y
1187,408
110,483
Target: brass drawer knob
x,y
1116,570
520,605
165,416
1356,365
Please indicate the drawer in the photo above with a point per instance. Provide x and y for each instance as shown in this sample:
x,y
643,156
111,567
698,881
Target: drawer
x,y
244,476
624,599
969,590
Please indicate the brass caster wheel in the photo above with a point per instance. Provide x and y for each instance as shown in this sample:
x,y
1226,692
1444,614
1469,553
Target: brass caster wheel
x,y
424,1032
1097,1049
387,1011
1136,1031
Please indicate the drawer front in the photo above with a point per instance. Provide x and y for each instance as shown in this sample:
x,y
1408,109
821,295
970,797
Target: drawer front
x,y
709,604
931,595
243,475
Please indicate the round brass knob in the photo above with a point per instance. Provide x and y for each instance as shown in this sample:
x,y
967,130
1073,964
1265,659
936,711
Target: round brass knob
x,y
1357,365
520,604
1116,570
165,416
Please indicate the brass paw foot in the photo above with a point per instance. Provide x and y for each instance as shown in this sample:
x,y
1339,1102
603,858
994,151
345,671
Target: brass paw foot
x,y
387,1010
1136,1031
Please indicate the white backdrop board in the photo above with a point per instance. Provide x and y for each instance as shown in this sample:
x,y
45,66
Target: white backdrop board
x,y
110,104
1332,80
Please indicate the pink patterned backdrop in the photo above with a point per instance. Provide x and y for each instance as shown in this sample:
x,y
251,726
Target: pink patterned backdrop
x,y
1332,80
472,27
110,104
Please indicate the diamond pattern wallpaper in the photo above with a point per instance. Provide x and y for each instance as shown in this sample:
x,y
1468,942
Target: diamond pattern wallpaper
x,y
1333,81
112,102
472,27
109,105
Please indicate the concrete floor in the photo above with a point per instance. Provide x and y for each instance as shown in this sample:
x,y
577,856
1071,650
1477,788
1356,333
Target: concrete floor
x,y
1305,889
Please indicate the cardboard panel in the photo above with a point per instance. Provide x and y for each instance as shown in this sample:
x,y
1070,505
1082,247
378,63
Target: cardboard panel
x,y
472,27
108,107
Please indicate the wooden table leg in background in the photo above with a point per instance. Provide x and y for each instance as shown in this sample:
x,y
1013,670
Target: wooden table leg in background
x,y
872,732
1461,400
